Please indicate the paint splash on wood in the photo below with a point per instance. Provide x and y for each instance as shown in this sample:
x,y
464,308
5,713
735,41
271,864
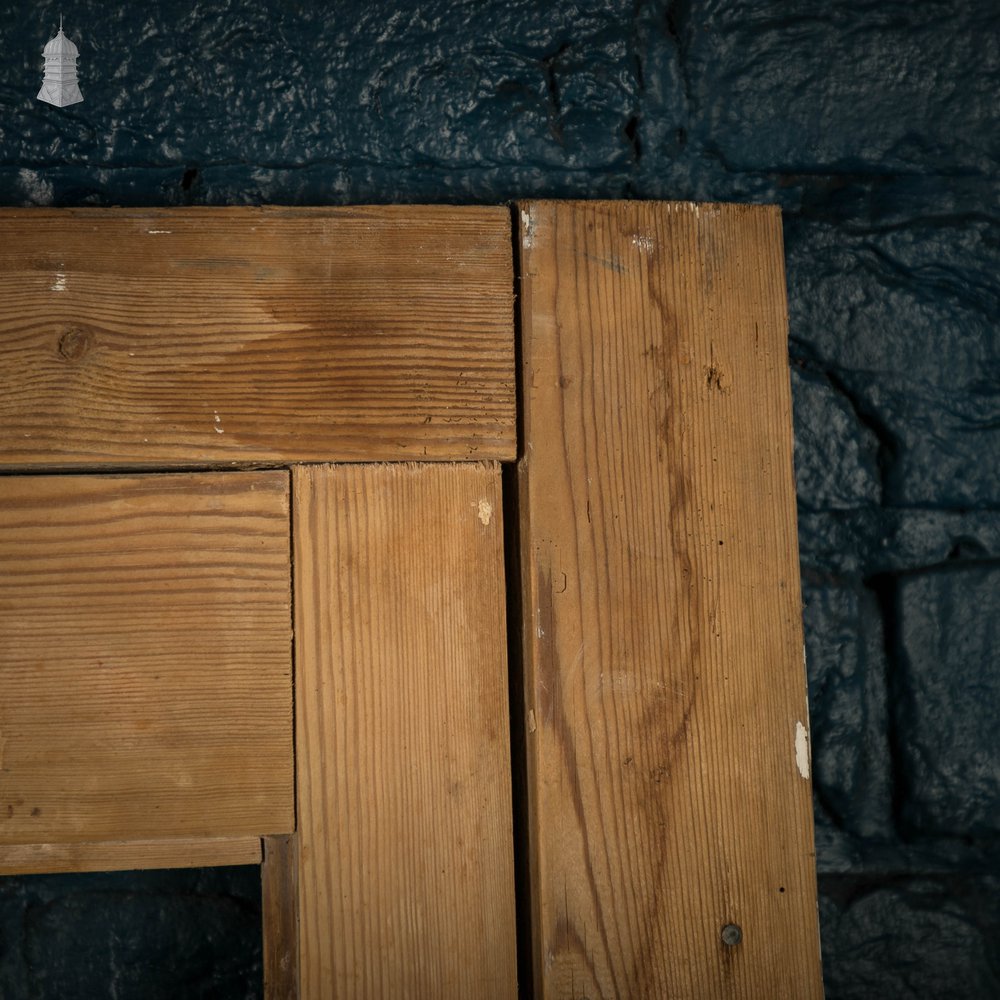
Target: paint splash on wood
x,y
802,749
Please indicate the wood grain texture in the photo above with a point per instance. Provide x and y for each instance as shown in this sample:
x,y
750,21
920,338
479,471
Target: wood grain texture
x,y
196,852
178,337
280,908
145,657
663,651
406,884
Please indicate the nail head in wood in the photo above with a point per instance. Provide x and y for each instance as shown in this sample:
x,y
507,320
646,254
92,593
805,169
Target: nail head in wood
x,y
732,935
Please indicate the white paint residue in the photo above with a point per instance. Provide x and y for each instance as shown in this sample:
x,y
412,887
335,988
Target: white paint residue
x,y
218,420
157,232
540,632
643,243
59,285
532,725
528,234
802,749
485,511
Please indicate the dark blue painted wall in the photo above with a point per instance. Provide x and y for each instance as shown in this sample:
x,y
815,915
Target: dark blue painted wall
x,y
874,125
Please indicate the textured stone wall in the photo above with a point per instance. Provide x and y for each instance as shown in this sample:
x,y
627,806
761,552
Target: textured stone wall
x,y
156,935
874,125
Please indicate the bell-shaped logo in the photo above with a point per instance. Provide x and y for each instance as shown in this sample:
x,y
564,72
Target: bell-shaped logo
x,y
59,87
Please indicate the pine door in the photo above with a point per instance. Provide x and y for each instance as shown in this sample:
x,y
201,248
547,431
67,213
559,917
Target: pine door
x,y
440,560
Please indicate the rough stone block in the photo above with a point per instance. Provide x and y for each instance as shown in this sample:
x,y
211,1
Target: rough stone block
x,y
867,541
918,299
910,938
902,321
949,702
885,86
847,708
836,456
944,441
379,102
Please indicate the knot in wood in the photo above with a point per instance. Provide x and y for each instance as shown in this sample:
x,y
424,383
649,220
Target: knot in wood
x,y
74,343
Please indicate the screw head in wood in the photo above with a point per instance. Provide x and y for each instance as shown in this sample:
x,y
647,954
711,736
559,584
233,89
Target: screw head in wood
x,y
732,935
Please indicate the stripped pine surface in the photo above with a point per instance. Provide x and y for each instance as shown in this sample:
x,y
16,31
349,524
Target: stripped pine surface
x,y
145,657
665,692
196,852
406,884
179,337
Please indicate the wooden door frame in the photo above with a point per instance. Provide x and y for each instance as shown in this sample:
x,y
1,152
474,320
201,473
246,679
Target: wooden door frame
x,y
631,358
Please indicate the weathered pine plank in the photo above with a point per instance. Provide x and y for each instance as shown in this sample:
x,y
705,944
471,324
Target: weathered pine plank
x,y
280,907
665,693
404,813
196,852
145,657
177,337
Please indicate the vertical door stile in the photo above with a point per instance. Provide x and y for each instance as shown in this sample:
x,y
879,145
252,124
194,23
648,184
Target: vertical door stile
x,y
669,795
